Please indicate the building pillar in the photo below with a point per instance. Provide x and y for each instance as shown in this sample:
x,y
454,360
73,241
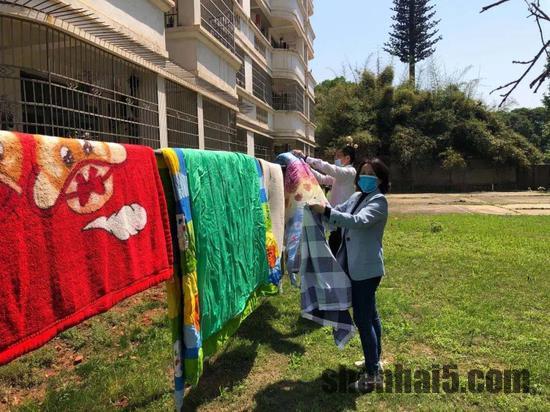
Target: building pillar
x,y
200,121
250,143
189,12
248,74
246,7
163,124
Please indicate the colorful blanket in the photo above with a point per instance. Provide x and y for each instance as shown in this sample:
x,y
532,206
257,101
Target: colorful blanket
x,y
275,188
182,289
84,225
325,287
301,187
221,262
273,253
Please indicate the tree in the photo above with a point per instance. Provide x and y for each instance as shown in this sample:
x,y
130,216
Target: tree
x,y
414,33
407,126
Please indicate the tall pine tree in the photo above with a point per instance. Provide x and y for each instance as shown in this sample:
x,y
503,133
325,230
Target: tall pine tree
x,y
414,33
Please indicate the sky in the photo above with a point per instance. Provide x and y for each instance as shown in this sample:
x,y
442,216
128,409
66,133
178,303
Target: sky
x,y
352,33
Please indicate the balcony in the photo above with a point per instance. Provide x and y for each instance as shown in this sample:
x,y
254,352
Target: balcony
x,y
288,95
311,84
293,11
215,16
289,10
290,125
288,64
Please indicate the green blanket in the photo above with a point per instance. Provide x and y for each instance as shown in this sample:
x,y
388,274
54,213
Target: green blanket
x,y
230,234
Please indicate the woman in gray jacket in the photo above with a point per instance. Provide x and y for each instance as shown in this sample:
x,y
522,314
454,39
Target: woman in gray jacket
x,y
363,218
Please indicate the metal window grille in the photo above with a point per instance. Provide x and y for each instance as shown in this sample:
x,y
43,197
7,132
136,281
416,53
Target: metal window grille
x,y
52,83
289,96
181,116
220,132
311,111
263,147
262,84
171,18
260,47
217,17
241,80
262,115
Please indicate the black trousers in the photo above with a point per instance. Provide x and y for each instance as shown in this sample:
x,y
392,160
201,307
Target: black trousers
x,y
335,240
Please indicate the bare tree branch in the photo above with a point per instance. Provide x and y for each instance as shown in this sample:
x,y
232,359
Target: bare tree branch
x,y
514,84
539,15
490,6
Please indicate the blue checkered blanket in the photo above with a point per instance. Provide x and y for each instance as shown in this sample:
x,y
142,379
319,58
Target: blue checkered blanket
x,y
325,287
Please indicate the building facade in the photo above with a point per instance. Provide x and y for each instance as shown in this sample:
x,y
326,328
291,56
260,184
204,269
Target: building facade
x,y
210,74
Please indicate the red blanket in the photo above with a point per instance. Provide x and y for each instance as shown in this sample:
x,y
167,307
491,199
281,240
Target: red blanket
x,y
83,225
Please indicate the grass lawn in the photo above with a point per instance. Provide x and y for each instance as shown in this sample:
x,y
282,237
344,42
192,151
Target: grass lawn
x,y
469,290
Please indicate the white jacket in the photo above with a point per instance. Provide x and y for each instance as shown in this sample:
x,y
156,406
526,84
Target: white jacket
x,y
340,178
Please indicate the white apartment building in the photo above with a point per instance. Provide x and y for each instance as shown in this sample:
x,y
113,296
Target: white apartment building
x,y
211,74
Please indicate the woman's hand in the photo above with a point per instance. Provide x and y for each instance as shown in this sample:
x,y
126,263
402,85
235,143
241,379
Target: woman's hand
x,y
317,208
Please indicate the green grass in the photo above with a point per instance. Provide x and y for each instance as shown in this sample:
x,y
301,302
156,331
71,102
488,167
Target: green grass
x,y
474,291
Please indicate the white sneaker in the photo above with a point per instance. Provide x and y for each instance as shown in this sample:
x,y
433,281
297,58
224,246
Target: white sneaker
x,y
361,364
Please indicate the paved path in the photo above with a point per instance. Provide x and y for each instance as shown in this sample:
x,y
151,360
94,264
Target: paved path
x,y
493,203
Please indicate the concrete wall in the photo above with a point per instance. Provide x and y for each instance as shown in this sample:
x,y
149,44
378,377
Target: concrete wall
x,y
288,64
217,66
478,176
142,18
289,123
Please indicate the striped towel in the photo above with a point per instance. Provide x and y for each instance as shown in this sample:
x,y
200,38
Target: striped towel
x,y
325,287
183,294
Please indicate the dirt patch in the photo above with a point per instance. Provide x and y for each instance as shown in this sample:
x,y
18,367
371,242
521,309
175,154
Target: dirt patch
x,y
492,203
260,377
26,378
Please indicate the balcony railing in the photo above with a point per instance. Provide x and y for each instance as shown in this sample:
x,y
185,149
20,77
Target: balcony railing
x,y
171,18
289,97
217,17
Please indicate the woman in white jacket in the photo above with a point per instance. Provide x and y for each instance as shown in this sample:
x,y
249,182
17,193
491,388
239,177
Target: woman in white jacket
x,y
340,177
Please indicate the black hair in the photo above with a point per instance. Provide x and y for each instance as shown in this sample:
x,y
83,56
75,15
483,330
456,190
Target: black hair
x,y
349,151
381,171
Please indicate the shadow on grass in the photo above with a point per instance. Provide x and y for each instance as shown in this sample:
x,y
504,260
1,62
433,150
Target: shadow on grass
x,y
258,328
323,393
228,371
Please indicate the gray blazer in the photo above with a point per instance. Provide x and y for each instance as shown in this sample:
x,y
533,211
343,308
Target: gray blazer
x,y
362,234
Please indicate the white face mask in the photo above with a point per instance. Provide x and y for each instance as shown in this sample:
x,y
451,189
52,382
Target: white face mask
x,y
338,162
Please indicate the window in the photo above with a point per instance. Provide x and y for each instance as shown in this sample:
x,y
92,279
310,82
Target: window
x,y
52,83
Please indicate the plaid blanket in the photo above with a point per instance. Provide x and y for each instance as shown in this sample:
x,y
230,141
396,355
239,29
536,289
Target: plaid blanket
x,y
325,287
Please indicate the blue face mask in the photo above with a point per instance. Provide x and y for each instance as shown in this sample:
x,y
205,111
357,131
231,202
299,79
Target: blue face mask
x,y
338,162
367,183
